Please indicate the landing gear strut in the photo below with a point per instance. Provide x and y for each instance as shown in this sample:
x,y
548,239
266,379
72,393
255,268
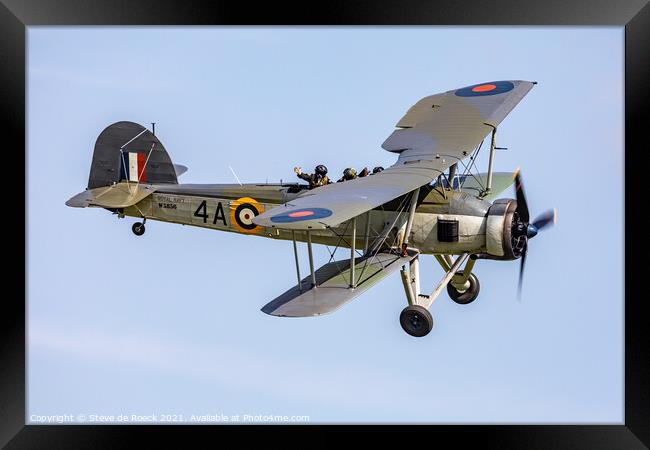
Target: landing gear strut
x,y
416,319
138,228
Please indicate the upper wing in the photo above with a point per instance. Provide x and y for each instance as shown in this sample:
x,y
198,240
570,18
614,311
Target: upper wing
x,y
455,121
436,132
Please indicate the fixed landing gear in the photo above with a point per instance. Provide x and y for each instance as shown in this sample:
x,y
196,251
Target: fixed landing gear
x,y
468,294
138,228
462,285
416,320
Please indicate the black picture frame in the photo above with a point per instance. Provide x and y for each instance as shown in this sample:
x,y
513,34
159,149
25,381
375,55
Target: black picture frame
x,y
634,15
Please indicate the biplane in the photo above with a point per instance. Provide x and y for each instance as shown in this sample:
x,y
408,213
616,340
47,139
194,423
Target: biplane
x,y
430,202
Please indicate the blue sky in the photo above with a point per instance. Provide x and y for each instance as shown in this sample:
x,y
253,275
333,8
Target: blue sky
x,y
169,323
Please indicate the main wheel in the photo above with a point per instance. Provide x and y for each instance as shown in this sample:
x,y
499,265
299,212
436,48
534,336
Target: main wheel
x,y
138,228
416,320
467,296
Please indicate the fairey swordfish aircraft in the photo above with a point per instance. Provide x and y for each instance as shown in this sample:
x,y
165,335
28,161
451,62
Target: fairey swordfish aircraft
x,y
430,202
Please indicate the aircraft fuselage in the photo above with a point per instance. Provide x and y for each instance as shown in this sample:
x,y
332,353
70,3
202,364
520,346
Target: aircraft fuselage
x,y
231,207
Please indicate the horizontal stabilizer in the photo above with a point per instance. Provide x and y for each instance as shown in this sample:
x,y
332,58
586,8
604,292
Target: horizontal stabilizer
x,y
333,285
119,195
180,169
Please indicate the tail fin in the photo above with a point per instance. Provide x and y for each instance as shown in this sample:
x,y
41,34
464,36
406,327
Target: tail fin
x,y
128,151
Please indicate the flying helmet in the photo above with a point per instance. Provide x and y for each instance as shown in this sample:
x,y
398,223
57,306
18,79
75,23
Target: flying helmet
x,y
321,170
349,173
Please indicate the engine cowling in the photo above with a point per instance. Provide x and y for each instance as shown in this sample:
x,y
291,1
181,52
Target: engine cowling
x,y
502,236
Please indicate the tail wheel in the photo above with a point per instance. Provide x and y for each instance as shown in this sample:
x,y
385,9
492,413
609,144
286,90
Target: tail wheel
x,y
416,320
467,296
138,228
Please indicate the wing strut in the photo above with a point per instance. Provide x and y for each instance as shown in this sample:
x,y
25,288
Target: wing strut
x,y
366,234
409,222
353,245
295,255
488,186
311,259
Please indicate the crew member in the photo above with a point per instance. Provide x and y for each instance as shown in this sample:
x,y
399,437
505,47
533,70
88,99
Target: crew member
x,y
318,178
348,174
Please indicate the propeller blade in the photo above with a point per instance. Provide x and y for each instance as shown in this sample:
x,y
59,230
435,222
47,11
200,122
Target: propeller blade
x,y
523,229
521,271
522,205
546,218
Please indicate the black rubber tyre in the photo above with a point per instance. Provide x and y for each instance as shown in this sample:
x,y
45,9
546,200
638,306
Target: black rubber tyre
x,y
467,297
416,320
138,228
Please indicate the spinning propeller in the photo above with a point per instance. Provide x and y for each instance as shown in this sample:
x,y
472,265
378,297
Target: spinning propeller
x,y
523,230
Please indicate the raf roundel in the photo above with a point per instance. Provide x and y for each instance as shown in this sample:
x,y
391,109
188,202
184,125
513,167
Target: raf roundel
x,y
480,90
244,216
301,214
242,212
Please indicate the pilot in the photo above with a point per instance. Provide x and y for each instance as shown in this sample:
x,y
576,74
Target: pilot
x,y
318,178
364,172
348,174
377,170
